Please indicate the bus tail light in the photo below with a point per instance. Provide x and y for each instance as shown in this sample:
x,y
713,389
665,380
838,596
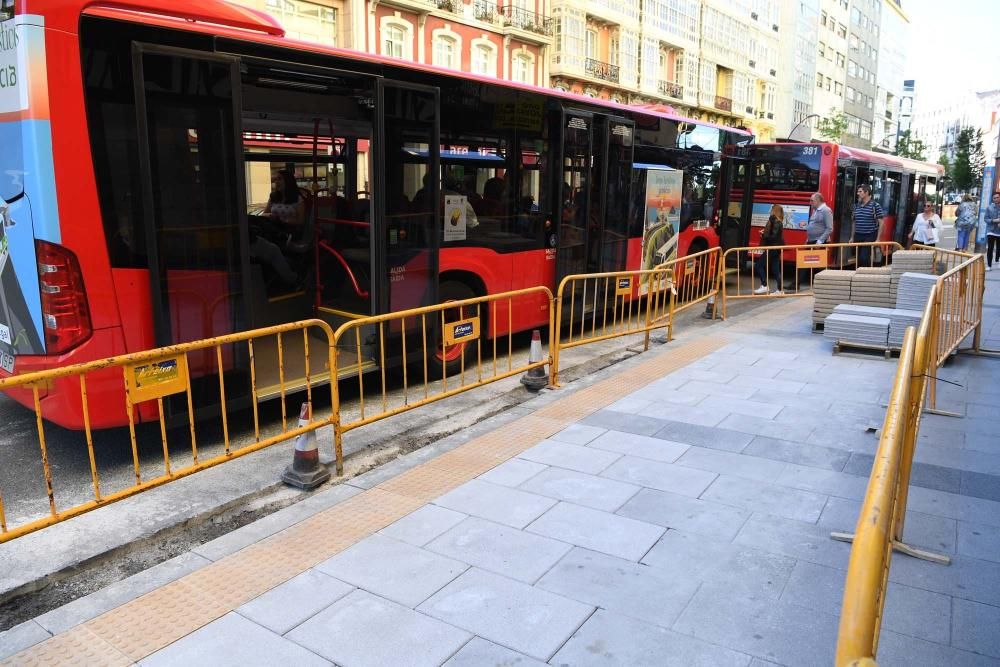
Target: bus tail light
x,y
65,313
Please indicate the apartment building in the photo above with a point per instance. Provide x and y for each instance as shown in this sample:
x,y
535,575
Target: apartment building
x,y
797,62
831,57
889,84
939,125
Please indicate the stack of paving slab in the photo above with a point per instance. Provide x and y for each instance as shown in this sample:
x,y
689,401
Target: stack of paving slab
x,y
871,287
861,330
909,261
914,288
898,320
831,288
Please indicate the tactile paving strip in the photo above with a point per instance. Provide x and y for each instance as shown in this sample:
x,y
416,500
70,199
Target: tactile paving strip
x,y
147,624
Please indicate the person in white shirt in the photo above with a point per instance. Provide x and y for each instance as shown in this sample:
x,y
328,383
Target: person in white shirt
x,y
927,226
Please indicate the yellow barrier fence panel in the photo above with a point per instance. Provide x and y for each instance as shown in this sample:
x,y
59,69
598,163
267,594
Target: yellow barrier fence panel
x,y
696,277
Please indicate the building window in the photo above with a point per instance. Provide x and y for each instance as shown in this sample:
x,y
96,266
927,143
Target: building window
x,y
829,83
841,61
852,68
855,16
822,50
305,20
841,31
523,69
819,80
592,44
446,52
395,40
837,88
822,19
484,59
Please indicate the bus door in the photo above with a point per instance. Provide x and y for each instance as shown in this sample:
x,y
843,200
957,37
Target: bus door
x,y
596,156
735,198
190,154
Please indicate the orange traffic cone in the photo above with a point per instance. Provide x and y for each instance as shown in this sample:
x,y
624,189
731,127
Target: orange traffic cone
x,y
536,378
306,472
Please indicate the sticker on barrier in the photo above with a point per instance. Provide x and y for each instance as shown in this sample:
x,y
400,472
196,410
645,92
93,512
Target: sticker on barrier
x,y
155,379
624,286
461,331
811,259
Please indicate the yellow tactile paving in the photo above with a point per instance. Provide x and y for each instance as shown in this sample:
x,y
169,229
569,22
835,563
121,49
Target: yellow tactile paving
x,y
138,628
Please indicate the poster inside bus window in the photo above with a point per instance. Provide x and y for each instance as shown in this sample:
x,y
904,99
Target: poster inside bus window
x,y
796,216
662,216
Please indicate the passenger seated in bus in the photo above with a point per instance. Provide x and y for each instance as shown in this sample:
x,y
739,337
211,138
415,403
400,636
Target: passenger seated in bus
x,y
270,254
493,197
469,190
285,204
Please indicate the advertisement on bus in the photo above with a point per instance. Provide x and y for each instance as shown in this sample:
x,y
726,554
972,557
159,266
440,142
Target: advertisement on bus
x,y
662,216
796,217
27,185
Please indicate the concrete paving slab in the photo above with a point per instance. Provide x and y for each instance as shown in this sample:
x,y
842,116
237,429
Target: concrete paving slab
x,y
954,506
233,641
740,406
20,637
739,569
979,540
738,465
792,400
578,434
688,414
800,453
897,650
980,485
496,503
513,472
768,498
591,491
394,570
974,628
572,457
777,631
668,397
720,522
642,446
658,475
718,389
922,474
619,421
715,438
828,482
797,539
609,639
623,587
479,653
599,531
420,527
935,533
965,578
767,427
363,630
500,549
285,606
629,404
507,612
909,611
758,383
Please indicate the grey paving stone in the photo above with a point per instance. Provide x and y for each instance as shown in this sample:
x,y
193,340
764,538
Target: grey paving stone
x,y
706,375
796,539
480,653
629,404
966,578
954,506
800,453
897,650
703,436
598,531
768,427
510,613
236,641
20,637
762,627
980,485
722,405
758,371
739,569
619,421
576,487
392,569
672,397
642,446
921,474
756,383
577,434
91,606
688,414
496,503
704,517
717,389
792,400
621,586
910,611
571,457
979,540
738,465
757,662
658,475
287,605
501,549
610,639
829,482
513,472
922,530
363,629
769,498
420,527
974,628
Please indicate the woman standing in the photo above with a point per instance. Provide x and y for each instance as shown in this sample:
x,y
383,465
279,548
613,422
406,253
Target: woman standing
x,y
965,222
770,261
926,227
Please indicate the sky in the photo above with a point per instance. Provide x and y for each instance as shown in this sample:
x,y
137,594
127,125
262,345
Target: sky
x,y
954,47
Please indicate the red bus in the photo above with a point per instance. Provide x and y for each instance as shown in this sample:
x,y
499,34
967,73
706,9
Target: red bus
x,y
762,175
152,143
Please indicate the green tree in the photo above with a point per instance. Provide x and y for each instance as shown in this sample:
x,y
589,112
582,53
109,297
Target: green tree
x,y
946,163
967,171
911,147
832,127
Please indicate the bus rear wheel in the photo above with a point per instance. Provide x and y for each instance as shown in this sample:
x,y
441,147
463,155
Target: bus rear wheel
x,y
448,359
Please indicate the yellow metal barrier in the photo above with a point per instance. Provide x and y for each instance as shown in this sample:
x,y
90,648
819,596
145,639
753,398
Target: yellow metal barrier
x,y
794,264
944,260
425,341
150,378
696,277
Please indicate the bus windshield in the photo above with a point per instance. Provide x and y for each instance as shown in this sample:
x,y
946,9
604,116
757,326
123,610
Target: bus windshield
x,y
791,167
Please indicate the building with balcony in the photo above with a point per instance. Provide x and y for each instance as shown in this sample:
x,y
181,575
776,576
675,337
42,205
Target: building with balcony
x,y
797,60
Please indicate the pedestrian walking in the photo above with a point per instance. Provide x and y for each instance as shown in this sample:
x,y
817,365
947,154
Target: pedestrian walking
x,y
926,227
769,262
993,231
965,222
868,216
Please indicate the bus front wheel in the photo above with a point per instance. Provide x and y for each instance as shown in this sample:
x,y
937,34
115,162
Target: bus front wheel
x,y
448,359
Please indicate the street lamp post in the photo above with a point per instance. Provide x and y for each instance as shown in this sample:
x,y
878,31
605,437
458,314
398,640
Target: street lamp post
x,y
812,115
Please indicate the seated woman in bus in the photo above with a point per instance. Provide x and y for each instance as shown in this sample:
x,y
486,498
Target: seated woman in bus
x,y
770,261
927,226
286,204
493,203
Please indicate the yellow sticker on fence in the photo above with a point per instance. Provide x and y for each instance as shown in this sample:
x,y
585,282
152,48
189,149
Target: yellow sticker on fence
x,y
810,259
149,380
690,267
623,286
462,331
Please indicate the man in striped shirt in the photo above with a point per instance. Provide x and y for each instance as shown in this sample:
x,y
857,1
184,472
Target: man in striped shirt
x,y
868,217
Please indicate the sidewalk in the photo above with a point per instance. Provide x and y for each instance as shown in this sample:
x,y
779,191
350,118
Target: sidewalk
x,y
673,510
